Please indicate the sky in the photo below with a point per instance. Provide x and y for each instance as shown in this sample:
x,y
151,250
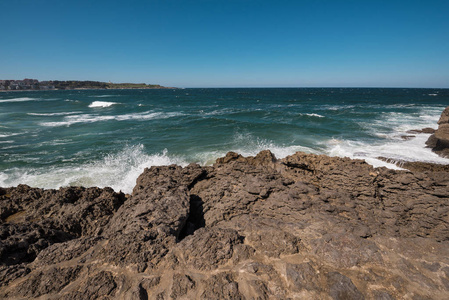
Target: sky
x,y
228,43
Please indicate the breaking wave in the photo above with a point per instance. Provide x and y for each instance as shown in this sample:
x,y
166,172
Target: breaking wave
x,y
22,99
89,118
101,104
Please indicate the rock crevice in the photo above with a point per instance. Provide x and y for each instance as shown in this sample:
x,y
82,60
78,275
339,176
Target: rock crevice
x,y
307,226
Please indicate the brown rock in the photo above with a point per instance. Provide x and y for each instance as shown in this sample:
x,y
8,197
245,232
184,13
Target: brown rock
x,y
307,226
439,141
424,130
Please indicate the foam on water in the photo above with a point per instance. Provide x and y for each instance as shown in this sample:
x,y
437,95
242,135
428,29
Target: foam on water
x,y
396,150
54,114
89,118
8,135
103,96
118,171
22,99
101,104
315,115
248,145
392,127
336,107
343,125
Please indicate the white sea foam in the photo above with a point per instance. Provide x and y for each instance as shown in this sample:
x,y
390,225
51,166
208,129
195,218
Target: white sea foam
x,y
218,112
118,171
54,114
396,150
101,104
22,99
248,145
8,135
336,107
89,118
315,115
392,126
103,96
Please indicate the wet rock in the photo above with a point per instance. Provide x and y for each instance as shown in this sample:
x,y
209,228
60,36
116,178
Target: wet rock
x,y
407,137
427,130
439,141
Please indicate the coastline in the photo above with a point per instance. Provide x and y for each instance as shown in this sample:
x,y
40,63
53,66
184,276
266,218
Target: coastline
x,y
254,227
244,227
87,89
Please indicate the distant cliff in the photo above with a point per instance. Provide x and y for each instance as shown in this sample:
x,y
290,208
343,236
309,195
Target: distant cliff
x,y
34,84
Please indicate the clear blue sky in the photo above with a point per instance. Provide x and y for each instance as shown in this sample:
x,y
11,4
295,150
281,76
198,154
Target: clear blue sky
x,y
228,43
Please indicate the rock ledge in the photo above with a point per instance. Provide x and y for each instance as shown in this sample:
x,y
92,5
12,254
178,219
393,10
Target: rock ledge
x,y
304,227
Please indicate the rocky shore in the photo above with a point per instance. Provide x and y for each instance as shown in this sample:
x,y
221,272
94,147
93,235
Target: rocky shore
x,y
304,227
439,140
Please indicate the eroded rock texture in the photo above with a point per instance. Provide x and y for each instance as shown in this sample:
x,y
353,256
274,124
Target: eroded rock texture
x,y
439,141
304,227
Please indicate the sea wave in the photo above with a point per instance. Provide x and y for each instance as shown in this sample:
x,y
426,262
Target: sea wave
x,y
102,104
396,150
247,144
103,96
22,99
88,118
394,125
132,160
336,107
314,115
54,114
4,135
128,163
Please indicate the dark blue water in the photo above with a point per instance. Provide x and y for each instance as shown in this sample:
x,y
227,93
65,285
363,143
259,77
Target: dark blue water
x,y
107,137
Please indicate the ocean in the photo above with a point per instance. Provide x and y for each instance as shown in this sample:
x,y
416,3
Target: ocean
x,y
105,138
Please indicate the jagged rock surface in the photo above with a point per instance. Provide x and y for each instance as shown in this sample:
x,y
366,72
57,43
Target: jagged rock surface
x,y
439,141
304,227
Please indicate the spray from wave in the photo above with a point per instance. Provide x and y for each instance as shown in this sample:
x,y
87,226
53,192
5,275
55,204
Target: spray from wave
x,y
118,171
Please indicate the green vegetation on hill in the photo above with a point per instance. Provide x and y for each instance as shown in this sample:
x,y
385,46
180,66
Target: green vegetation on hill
x,y
133,86
72,84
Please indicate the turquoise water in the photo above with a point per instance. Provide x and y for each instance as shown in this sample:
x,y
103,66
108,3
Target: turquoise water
x,y
107,137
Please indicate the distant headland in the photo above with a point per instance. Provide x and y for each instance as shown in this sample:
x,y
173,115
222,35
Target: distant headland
x,y
34,85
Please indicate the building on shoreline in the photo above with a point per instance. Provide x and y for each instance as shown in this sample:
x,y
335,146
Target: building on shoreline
x,y
25,84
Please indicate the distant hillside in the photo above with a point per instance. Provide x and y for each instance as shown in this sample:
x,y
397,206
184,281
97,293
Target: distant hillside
x,y
67,85
34,84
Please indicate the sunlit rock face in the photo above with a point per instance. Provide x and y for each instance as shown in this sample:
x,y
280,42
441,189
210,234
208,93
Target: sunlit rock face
x,y
439,141
306,226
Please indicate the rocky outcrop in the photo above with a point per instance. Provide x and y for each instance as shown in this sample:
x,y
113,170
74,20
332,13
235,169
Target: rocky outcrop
x,y
304,227
439,141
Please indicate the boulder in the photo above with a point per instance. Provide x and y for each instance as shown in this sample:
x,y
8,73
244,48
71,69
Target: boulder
x,y
306,226
439,141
